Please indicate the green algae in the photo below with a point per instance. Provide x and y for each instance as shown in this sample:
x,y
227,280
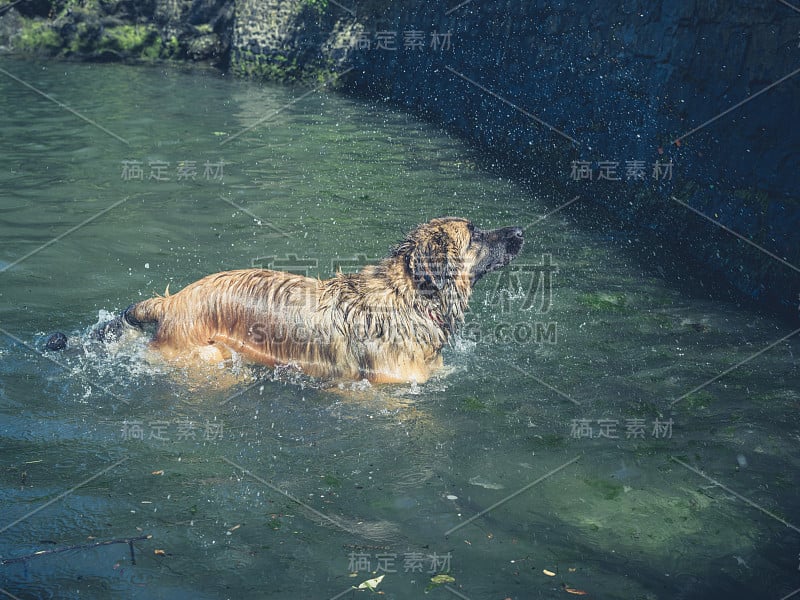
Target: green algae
x,y
142,41
38,37
604,301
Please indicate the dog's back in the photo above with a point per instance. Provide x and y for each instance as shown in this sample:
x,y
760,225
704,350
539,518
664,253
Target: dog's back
x,y
257,312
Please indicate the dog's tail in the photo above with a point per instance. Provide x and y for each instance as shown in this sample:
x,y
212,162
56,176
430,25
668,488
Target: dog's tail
x,y
146,311
136,316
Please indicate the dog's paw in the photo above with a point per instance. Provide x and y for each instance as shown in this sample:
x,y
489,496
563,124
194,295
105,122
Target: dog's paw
x,y
56,342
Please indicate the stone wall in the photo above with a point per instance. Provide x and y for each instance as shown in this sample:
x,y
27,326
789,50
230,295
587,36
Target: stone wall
x,y
626,81
554,91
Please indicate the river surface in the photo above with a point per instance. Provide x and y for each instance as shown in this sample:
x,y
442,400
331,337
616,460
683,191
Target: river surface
x,y
596,429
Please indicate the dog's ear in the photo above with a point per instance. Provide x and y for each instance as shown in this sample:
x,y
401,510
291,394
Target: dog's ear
x,y
427,265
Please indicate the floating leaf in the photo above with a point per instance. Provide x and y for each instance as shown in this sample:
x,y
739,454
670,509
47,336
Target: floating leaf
x,y
437,580
370,584
575,591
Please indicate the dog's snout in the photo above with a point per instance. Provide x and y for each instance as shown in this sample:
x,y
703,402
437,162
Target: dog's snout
x,y
514,239
510,233
513,235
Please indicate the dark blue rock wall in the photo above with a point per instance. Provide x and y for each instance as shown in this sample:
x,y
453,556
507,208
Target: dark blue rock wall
x,y
617,89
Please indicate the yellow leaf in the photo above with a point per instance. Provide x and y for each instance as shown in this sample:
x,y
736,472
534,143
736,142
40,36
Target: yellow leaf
x,y
370,584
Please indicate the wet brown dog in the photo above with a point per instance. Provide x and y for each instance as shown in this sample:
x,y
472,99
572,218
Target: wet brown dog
x,y
387,323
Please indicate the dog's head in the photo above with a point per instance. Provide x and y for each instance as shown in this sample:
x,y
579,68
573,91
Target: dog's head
x,y
452,254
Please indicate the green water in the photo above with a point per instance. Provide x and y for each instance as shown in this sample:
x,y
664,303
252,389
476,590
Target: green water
x,y
283,490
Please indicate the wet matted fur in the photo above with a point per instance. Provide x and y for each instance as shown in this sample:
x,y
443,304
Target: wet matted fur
x,y
387,323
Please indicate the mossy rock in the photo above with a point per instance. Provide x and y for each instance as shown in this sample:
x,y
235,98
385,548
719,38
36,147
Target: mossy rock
x,y
38,37
132,41
83,41
317,6
281,68
203,47
171,47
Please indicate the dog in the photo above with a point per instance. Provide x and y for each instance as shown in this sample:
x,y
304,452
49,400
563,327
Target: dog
x,y
386,323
